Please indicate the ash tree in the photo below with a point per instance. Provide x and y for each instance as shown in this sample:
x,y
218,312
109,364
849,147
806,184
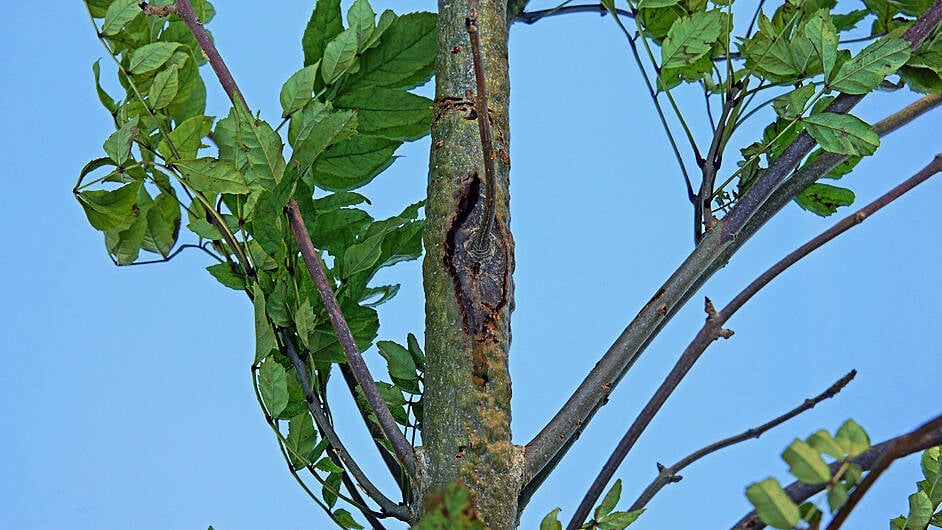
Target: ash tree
x,y
272,202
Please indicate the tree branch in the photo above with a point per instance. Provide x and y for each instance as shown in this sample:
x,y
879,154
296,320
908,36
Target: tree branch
x,y
668,475
714,250
532,17
926,436
387,506
713,329
404,451
185,11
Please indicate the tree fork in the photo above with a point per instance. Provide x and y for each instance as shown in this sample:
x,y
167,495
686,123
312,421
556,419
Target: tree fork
x,y
469,286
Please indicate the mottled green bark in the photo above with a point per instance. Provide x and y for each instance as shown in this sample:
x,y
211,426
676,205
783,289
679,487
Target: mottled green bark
x,y
466,428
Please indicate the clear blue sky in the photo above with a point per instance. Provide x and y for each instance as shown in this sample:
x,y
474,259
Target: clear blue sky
x,y
126,392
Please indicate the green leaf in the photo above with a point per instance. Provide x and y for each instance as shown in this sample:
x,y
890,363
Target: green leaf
x,y
867,69
318,130
651,4
106,100
353,162
118,145
842,133
125,243
361,18
837,496
792,104
109,209
418,356
824,199
339,55
325,23
346,520
823,36
228,275
164,88
362,256
301,439
618,520
252,146
328,465
551,521
163,225
150,57
298,89
853,438
401,367
332,485
264,334
306,321
822,442
609,501
404,58
98,8
385,293
920,511
120,13
772,504
273,385
849,21
212,176
806,464
187,138
931,464
691,38
387,113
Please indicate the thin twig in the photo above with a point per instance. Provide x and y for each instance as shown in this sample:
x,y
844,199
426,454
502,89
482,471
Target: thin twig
x,y
799,492
713,329
404,451
169,257
703,215
484,126
668,475
387,506
185,11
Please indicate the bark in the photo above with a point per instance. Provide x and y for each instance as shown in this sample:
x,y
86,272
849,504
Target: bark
x,y
469,295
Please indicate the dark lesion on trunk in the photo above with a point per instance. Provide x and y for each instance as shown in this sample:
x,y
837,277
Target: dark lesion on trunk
x,y
480,276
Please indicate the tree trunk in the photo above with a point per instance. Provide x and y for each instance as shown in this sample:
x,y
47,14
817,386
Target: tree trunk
x,y
469,288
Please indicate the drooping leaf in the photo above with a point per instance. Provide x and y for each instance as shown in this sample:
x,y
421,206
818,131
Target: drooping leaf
x,y
301,439
824,199
118,145
106,100
920,511
264,334
150,57
163,225
228,275
212,176
773,506
837,496
345,520
418,356
842,133
862,73
792,104
273,386
108,209
252,146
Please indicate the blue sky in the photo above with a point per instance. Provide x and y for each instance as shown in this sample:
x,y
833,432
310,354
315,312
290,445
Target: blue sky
x,y
127,391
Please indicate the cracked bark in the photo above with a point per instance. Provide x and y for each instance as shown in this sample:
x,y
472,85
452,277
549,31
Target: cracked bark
x,y
469,295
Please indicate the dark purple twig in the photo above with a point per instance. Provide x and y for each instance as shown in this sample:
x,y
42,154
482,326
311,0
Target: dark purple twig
x,y
668,475
484,126
185,11
404,451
